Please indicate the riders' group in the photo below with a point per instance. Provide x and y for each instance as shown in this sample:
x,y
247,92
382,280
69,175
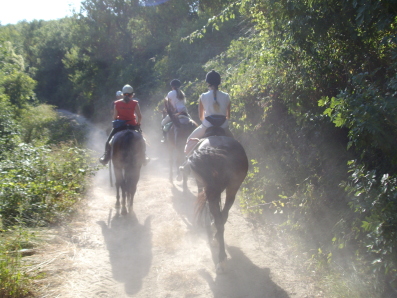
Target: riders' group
x,y
214,111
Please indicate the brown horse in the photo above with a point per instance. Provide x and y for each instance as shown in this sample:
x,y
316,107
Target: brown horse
x,y
128,156
176,140
219,163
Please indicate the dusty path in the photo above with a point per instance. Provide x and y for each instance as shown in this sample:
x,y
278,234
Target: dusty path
x,y
158,251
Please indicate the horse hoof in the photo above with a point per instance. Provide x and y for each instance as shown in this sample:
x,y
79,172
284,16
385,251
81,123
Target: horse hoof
x,y
221,267
214,243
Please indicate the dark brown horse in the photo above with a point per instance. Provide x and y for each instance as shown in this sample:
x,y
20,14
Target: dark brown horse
x,y
128,156
176,140
219,163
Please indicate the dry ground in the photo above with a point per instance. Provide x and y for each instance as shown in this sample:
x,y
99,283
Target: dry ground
x,y
159,250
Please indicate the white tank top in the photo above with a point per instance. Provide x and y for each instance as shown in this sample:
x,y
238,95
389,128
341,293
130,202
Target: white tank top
x,y
207,99
179,105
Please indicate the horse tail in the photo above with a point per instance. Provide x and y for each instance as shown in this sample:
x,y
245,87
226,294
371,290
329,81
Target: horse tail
x,y
210,165
200,203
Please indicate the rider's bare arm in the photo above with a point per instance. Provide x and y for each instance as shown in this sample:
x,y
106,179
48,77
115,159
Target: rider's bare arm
x,y
115,114
138,114
201,111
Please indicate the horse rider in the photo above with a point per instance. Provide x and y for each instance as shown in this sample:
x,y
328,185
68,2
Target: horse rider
x,y
127,110
214,110
176,102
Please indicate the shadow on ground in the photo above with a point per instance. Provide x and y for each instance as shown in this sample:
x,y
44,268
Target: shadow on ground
x,y
243,279
130,249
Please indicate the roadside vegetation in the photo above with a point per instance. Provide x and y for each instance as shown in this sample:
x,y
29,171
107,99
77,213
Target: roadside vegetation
x,y
313,86
44,170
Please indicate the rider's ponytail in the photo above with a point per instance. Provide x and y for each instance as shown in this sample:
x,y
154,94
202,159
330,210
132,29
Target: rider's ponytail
x,y
126,98
176,84
216,103
179,94
214,79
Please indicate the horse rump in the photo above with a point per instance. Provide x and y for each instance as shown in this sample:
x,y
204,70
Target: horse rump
x,y
127,157
220,163
209,166
128,147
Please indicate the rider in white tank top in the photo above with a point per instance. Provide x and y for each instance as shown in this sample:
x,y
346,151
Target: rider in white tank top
x,y
177,104
213,102
207,99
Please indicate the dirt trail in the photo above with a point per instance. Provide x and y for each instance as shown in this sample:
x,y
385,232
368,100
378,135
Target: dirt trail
x,y
158,251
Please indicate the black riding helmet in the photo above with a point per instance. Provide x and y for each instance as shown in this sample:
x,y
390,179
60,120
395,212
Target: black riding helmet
x,y
175,83
213,78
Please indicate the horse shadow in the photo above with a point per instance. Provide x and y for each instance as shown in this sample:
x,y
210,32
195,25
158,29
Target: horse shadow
x,y
243,279
130,249
184,203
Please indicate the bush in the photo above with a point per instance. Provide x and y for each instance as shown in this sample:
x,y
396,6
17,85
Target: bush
x,y
39,186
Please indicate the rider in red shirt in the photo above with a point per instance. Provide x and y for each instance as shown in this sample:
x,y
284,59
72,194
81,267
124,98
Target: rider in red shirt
x,y
128,110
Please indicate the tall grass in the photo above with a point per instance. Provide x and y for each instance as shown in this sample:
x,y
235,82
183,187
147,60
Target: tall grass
x,y
13,281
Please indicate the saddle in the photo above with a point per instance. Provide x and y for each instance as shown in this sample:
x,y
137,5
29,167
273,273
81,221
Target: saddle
x,y
137,128
209,132
216,120
121,125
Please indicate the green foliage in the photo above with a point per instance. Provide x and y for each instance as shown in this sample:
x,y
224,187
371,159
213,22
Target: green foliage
x,y
66,130
40,186
368,108
304,56
375,200
15,84
34,122
9,136
19,88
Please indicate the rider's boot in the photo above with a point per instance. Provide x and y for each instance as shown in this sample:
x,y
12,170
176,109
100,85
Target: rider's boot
x,y
146,160
106,156
164,134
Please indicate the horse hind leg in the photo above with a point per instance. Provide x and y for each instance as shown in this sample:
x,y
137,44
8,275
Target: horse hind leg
x,y
219,236
132,189
119,182
124,194
231,192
